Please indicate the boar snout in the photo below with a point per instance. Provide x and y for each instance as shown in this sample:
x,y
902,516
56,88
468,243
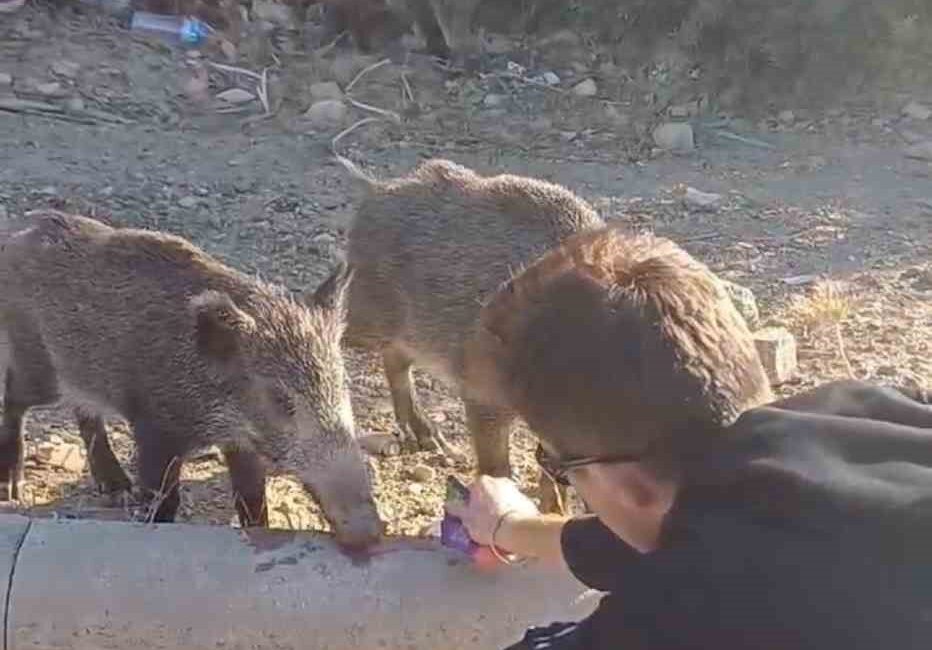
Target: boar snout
x,y
343,488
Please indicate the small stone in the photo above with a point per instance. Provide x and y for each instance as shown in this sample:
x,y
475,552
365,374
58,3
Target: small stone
x,y
674,136
550,78
416,489
799,280
702,200
917,111
325,90
75,104
324,238
492,99
66,456
744,301
380,444
67,69
273,12
235,96
777,350
619,118
6,79
187,202
586,88
787,117
920,151
560,37
48,190
680,111
886,371
50,89
327,113
423,473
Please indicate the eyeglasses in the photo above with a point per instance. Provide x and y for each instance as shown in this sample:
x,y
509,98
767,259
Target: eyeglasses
x,y
558,470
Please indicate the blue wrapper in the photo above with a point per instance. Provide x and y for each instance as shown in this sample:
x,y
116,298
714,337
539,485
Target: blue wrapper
x,y
452,531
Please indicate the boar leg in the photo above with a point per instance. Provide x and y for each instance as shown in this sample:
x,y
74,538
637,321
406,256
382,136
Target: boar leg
x,y
552,496
411,419
105,468
455,18
857,399
247,476
30,381
491,432
423,14
159,472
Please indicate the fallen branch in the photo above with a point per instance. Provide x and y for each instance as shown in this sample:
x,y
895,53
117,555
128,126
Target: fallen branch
x,y
347,131
392,115
740,138
362,73
44,109
262,87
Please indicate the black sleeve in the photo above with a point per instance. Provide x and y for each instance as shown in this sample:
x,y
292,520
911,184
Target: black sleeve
x,y
598,557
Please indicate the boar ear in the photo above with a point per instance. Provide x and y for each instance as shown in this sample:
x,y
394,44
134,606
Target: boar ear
x,y
331,294
219,325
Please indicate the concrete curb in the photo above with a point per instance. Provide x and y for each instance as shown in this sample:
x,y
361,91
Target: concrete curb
x,y
86,584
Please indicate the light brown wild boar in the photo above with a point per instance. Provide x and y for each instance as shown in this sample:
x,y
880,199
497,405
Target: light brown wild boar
x,y
192,353
427,250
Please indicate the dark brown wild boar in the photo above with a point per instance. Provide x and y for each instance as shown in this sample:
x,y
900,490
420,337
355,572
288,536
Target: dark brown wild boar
x,y
427,250
192,353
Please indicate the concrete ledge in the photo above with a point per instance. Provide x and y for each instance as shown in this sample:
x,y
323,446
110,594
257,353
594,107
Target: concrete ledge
x,y
83,585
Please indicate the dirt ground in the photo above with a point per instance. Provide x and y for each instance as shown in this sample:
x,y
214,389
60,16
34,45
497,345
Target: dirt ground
x,y
140,139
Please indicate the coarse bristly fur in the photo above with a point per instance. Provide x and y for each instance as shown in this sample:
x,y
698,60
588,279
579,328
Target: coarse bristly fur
x,y
191,352
428,248
614,343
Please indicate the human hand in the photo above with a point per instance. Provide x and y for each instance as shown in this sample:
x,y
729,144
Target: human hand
x,y
491,499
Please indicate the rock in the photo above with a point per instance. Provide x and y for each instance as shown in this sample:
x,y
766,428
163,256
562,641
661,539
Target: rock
x,y
325,90
586,88
235,96
921,279
188,202
273,12
327,113
67,69
491,100
920,151
6,79
423,473
674,136
324,238
48,190
550,78
701,200
617,117
345,66
560,37
799,280
50,89
416,489
66,456
787,117
917,111
680,111
380,444
744,301
777,350
75,104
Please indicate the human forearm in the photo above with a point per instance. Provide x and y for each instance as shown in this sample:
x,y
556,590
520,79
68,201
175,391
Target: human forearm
x,y
537,537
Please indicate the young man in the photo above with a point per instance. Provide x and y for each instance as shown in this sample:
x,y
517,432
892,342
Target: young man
x,y
719,523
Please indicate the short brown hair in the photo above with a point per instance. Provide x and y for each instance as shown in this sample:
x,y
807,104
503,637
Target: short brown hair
x,y
613,342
